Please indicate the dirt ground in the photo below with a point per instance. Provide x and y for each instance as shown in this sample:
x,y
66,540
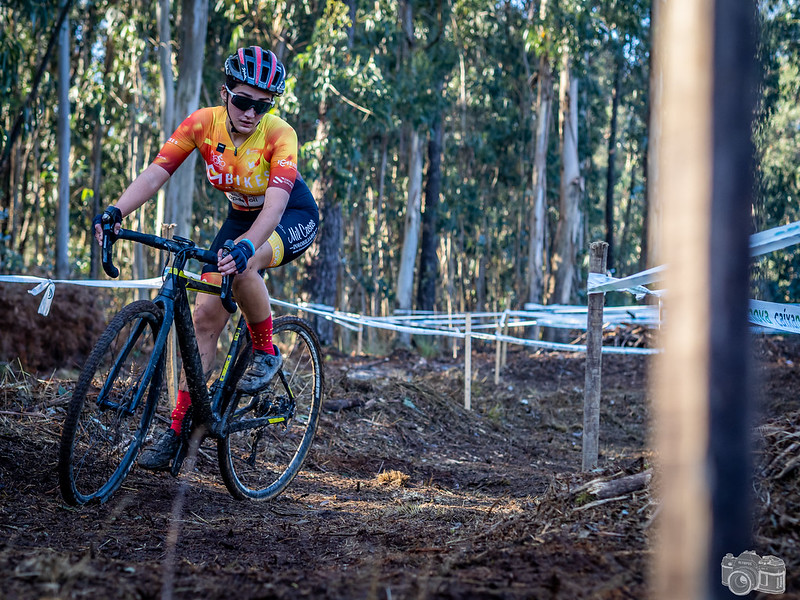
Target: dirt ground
x,y
405,495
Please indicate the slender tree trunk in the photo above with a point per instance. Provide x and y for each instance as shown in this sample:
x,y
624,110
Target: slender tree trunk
x,y
97,174
378,258
408,255
97,158
324,270
625,230
180,195
62,221
544,100
565,244
611,172
644,257
428,262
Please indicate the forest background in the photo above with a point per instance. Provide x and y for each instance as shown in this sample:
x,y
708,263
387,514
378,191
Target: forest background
x,y
464,153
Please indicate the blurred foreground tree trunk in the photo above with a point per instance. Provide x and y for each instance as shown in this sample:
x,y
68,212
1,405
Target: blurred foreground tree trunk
x,y
702,388
167,85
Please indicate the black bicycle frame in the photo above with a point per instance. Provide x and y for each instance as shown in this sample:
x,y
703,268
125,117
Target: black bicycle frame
x,y
173,301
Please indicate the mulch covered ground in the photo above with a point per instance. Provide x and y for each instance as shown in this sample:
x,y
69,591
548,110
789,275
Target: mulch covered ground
x,y
405,494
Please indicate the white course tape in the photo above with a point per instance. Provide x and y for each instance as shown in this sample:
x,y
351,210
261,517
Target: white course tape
x,y
783,317
48,286
774,239
598,283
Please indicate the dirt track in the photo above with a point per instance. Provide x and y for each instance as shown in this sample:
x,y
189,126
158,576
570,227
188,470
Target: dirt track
x,y
406,495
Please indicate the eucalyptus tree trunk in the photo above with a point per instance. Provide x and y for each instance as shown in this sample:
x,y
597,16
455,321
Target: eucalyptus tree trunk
x,y
536,246
408,255
612,160
180,195
167,86
569,221
62,220
97,156
324,269
428,261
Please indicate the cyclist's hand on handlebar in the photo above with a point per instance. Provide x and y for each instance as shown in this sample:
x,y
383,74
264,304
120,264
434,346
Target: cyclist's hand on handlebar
x,y
111,215
236,260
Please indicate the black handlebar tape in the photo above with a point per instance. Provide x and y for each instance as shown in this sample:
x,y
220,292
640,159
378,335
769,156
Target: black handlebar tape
x,y
226,293
108,242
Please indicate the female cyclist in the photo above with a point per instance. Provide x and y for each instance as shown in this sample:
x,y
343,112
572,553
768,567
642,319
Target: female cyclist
x,y
250,156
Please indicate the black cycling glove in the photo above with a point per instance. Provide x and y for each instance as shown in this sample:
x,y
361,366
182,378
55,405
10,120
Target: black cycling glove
x,y
241,253
111,215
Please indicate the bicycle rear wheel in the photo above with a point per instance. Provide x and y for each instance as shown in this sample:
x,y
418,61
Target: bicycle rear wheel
x,y
112,406
258,462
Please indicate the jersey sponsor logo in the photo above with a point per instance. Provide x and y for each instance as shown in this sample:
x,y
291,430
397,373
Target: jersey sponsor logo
x,y
287,163
214,178
283,181
301,232
173,141
245,200
217,160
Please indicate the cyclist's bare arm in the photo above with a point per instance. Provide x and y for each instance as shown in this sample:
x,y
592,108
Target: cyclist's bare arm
x,y
139,191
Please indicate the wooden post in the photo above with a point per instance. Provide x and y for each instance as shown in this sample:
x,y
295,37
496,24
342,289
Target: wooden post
x,y
172,370
498,357
504,353
468,362
594,359
497,353
360,339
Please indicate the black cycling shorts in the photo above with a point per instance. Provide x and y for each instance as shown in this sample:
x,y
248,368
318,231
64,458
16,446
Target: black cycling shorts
x,y
292,236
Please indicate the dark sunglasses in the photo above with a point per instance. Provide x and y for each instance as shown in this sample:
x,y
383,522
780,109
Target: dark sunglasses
x,y
244,103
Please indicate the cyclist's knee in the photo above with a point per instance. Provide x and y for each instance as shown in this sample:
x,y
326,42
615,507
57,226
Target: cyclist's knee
x,y
209,317
249,277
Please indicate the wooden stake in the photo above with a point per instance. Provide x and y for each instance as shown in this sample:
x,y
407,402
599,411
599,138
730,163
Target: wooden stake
x,y
498,358
468,363
594,360
172,370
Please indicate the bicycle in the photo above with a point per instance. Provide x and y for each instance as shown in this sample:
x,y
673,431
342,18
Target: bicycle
x,y
262,440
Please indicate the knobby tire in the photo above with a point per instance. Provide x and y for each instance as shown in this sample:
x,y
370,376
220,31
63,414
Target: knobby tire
x,y
259,463
112,406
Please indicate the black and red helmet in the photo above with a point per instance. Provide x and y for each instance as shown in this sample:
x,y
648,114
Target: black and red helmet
x,y
257,67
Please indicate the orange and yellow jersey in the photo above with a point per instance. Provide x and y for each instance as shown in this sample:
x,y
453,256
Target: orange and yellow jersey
x,y
268,158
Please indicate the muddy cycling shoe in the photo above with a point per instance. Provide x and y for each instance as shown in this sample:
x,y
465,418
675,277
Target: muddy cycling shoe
x,y
159,456
260,372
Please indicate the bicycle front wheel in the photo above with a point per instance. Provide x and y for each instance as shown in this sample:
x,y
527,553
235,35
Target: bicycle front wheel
x,y
111,406
259,458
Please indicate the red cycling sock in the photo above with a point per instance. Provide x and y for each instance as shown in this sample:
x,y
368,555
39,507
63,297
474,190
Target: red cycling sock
x,y
182,404
261,334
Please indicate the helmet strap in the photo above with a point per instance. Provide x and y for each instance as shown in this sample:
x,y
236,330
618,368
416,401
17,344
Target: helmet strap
x,y
227,112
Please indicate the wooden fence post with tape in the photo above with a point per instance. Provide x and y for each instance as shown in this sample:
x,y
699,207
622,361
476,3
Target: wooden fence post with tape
x,y
598,252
